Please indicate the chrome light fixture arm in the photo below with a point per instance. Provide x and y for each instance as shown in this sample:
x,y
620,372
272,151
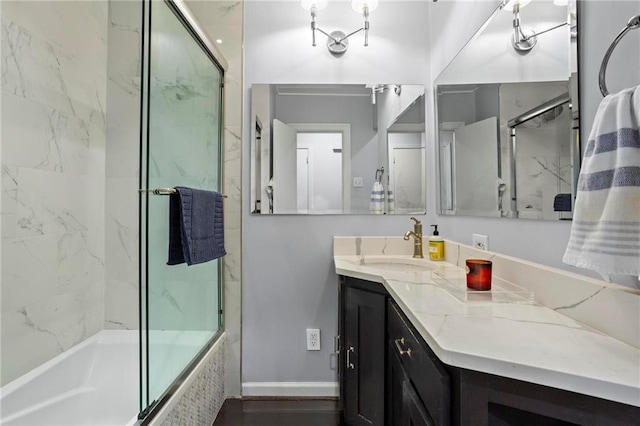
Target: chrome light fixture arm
x,y
524,39
337,41
546,31
313,25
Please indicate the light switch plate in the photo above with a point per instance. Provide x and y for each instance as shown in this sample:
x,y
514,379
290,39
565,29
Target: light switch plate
x,y
480,241
358,182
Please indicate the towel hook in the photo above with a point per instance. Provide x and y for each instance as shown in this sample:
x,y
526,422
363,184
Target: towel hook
x,y
631,25
379,174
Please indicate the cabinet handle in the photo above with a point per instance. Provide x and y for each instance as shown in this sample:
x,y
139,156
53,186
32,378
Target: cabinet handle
x,y
402,352
336,344
349,363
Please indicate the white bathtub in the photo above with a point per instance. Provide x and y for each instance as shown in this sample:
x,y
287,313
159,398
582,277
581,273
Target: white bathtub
x,y
95,383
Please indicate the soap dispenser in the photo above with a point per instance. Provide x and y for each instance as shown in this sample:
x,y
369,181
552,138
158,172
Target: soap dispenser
x,y
436,245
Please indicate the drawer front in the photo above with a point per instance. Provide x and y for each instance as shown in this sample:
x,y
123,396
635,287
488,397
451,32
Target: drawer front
x,y
423,368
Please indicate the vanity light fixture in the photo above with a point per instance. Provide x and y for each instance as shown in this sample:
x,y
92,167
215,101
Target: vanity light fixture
x,y
338,41
524,39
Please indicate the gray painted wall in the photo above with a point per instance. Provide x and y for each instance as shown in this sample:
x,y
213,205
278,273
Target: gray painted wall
x,y
457,107
488,102
289,279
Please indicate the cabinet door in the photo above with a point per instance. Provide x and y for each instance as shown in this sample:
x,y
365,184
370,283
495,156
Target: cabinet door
x,y
363,349
414,412
396,378
404,407
427,374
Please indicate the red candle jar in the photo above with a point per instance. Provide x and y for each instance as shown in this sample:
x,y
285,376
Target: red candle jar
x,y
478,274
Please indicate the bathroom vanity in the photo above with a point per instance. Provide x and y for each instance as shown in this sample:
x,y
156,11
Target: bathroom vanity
x,y
412,352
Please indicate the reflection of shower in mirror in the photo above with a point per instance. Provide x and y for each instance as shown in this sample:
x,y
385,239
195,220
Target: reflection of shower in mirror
x,y
553,114
534,148
545,117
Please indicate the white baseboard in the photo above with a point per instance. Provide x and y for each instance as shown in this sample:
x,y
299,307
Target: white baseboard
x,y
318,389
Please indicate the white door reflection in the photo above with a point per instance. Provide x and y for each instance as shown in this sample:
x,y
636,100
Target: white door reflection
x,y
408,166
284,166
320,159
303,180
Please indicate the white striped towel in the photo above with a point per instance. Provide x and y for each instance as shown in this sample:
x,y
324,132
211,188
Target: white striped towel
x,y
376,206
391,204
605,232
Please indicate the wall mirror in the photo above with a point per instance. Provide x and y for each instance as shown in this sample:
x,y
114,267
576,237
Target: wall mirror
x,y
337,149
507,116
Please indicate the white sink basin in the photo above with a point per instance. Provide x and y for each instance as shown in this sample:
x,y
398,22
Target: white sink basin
x,y
408,264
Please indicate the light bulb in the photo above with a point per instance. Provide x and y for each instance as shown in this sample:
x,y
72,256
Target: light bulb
x,y
358,5
308,4
561,2
510,3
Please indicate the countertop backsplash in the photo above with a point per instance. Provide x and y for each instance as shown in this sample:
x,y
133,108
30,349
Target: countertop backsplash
x,y
610,308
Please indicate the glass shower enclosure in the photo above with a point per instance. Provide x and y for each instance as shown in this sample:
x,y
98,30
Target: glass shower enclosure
x,y
181,140
541,157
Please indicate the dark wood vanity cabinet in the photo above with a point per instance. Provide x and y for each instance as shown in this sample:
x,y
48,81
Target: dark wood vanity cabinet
x,y
362,355
487,400
404,407
389,376
414,375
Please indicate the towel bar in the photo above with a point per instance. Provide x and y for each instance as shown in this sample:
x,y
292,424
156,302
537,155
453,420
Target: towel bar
x,y
631,25
163,191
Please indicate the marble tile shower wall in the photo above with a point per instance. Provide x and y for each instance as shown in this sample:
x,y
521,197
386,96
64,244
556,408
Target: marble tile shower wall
x,y
224,20
123,163
53,178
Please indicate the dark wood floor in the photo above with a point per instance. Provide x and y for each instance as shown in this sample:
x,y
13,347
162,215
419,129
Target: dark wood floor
x,y
236,412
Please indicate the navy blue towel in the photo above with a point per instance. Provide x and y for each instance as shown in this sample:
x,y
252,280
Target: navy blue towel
x,y
196,226
562,203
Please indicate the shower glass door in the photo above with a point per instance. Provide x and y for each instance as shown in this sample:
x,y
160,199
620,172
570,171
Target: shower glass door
x,y
543,165
182,104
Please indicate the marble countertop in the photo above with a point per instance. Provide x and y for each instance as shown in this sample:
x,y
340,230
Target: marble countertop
x,y
518,339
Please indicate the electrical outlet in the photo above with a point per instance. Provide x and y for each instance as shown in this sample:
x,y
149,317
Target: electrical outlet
x,y
358,182
313,339
480,241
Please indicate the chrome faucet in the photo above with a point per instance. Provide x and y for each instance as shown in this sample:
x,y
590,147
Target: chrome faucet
x,y
417,238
